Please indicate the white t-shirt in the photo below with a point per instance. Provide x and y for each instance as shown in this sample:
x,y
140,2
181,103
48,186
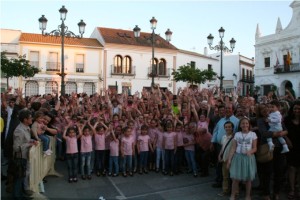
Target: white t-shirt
x,y
244,141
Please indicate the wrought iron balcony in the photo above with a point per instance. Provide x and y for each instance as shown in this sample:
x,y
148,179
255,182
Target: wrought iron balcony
x,y
160,74
247,79
281,69
53,66
79,68
122,71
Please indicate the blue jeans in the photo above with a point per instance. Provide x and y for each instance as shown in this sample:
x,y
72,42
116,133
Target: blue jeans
x,y
18,184
100,157
72,160
114,163
59,145
143,159
127,163
160,155
169,160
46,141
190,158
86,162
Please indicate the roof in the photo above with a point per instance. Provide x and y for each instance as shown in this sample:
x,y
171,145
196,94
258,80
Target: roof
x,y
197,54
119,36
39,38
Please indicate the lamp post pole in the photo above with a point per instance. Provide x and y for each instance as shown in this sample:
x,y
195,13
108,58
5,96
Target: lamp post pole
x,y
63,32
168,33
221,47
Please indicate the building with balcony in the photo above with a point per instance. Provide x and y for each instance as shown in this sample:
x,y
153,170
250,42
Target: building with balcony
x,y
277,56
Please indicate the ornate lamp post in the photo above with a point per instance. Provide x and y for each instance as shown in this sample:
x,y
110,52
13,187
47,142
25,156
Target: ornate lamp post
x,y
221,47
168,33
63,32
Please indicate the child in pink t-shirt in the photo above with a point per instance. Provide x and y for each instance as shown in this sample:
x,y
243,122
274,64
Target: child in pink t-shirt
x,y
127,151
114,155
143,146
70,137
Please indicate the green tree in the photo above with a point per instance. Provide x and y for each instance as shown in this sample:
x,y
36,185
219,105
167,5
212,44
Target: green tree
x,y
16,67
192,75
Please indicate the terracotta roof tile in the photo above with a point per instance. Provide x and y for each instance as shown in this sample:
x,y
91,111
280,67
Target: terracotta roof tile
x,y
39,38
119,36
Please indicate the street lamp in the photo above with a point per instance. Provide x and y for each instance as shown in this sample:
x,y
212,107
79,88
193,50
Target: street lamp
x,y
221,47
168,34
63,32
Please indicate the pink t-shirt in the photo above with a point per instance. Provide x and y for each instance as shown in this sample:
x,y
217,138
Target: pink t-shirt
x,y
143,141
153,134
127,145
159,142
203,125
169,138
86,144
71,143
179,139
114,148
189,138
99,141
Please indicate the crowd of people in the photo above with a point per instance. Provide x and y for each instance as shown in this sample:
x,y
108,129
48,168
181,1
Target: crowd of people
x,y
110,134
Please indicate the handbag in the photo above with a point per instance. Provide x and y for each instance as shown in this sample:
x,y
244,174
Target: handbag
x,y
263,153
18,165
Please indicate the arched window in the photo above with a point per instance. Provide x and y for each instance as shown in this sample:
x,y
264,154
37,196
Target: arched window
x,y
162,67
71,87
50,86
31,88
89,88
155,70
118,64
127,69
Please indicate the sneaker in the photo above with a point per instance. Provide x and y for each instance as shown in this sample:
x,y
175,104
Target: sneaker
x,y
28,192
89,177
130,173
109,174
222,194
114,175
124,174
83,177
49,151
285,149
70,180
195,175
75,179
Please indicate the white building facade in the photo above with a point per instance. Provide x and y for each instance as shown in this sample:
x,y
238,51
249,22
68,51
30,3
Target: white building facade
x,y
277,56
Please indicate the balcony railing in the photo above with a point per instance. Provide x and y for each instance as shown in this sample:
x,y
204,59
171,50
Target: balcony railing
x,y
294,67
53,66
79,68
247,79
160,74
121,72
35,63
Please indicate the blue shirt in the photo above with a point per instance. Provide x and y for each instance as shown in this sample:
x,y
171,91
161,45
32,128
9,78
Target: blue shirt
x,y
219,130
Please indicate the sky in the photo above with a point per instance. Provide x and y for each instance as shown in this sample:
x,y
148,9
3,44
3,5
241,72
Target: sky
x,y
190,21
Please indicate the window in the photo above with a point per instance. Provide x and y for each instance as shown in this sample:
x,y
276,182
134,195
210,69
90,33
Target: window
x,y
31,88
209,67
154,66
89,88
50,86
127,69
162,67
34,58
267,62
71,87
118,65
53,64
79,63
193,64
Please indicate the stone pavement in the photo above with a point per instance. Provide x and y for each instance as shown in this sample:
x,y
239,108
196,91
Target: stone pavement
x,y
152,186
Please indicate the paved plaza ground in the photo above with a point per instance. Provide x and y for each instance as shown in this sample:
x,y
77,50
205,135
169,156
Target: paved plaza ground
x,y
152,186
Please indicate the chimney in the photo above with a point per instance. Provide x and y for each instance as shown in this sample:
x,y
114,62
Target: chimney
x,y
205,51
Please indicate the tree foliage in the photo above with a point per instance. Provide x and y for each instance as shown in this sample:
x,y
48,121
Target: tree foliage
x,y
192,75
16,67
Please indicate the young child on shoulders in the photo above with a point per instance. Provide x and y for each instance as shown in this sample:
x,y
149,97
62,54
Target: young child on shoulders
x,y
38,129
274,120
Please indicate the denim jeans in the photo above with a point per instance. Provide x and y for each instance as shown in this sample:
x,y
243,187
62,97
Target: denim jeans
x,y
86,162
160,156
190,157
18,184
169,160
114,163
143,159
72,160
100,157
59,145
46,141
127,163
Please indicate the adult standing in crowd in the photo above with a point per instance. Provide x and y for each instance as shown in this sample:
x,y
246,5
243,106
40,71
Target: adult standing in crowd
x,y
292,123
